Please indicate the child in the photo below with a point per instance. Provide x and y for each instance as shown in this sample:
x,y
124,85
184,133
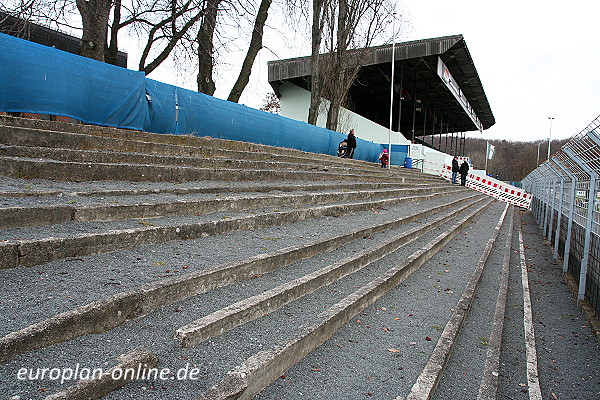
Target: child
x,y
384,157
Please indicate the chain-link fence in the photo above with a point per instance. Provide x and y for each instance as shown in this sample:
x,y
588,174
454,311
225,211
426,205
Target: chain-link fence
x,y
565,203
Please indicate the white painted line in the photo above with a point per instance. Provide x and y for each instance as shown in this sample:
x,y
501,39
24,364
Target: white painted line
x,y
533,381
428,380
489,382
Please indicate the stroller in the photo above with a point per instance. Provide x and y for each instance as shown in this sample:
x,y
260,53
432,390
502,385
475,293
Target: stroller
x,y
342,149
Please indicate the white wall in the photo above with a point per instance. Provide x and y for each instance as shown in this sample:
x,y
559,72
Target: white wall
x,y
295,102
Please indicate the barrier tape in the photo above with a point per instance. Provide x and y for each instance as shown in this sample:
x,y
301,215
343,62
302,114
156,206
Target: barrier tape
x,y
492,187
499,190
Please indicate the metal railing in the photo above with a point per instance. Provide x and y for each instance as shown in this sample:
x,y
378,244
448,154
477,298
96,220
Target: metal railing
x,y
566,205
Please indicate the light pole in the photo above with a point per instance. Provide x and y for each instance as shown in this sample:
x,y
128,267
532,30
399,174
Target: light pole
x,y
537,163
392,89
550,135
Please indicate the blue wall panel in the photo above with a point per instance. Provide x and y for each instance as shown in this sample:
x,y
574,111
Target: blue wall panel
x,y
40,79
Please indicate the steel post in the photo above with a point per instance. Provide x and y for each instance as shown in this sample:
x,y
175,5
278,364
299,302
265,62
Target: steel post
x,y
573,193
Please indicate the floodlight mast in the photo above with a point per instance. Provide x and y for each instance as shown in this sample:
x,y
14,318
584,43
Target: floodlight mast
x,y
550,136
392,89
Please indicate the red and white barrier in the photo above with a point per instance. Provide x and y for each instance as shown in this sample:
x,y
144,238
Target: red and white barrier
x,y
440,164
500,190
493,187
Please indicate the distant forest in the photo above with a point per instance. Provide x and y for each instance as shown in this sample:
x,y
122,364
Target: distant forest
x,y
512,161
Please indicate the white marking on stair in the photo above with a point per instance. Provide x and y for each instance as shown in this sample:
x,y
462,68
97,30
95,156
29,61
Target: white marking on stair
x,y
489,383
428,380
533,381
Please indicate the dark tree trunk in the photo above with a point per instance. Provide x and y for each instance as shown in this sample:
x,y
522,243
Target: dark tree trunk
x,y
94,18
315,76
206,84
254,48
339,85
110,55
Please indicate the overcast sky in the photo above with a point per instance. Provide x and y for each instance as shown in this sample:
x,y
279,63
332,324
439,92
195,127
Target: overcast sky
x,y
536,59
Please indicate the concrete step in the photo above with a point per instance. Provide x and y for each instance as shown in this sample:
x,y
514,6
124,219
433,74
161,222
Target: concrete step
x,y
120,157
185,142
52,144
32,189
27,168
472,368
252,260
261,368
104,314
381,351
215,368
150,143
267,302
151,206
48,243
95,156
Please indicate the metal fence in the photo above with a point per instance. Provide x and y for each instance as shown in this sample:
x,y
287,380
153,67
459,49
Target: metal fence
x,y
565,203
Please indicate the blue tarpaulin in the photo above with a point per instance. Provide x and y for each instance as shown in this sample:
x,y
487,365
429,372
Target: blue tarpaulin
x,y
40,79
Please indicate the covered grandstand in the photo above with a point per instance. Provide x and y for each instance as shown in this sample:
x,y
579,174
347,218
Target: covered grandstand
x,y
438,94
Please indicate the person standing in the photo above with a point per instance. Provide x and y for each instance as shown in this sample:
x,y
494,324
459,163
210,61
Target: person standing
x,y
384,157
351,140
455,169
464,170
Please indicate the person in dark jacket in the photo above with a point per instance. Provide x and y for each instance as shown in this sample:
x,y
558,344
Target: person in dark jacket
x,y
351,144
464,170
455,169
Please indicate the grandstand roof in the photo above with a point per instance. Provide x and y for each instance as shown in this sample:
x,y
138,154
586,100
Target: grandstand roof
x,y
423,77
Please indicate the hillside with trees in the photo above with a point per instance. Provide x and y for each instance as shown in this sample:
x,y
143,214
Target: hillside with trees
x,y
512,161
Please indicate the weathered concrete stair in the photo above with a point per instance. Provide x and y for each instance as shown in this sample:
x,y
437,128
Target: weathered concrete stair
x,y
11,217
113,311
31,252
149,143
106,153
420,213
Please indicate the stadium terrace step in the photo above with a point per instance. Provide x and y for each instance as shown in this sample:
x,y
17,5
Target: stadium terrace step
x,y
120,208
94,156
25,168
45,144
270,272
40,149
48,247
120,158
262,304
97,189
259,370
476,375
48,134
429,378
112,311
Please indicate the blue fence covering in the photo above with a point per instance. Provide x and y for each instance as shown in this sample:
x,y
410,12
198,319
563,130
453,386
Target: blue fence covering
x,y
39,79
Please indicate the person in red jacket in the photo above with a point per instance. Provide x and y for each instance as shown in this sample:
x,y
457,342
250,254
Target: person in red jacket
x,y
384,157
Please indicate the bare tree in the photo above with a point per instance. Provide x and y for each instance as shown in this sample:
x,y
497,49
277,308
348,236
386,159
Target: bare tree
x,y
94,18
348,25
253,49
206,61
161,25
271,104
166,26
320,7
55,14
